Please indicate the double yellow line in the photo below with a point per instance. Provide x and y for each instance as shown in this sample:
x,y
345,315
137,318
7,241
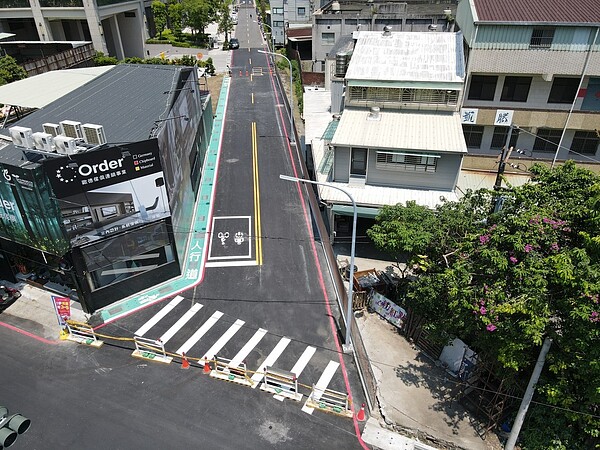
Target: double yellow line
x,y
257,230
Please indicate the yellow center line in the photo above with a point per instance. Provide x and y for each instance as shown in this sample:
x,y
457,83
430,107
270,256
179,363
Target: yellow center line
x,y
257,228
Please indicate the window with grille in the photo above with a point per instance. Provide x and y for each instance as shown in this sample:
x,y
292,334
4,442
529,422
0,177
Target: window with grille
x,y
406,162
278,23
277,10
547,140
499,137
515,89
473,135
301,11
563,90
585,142
541,38
328,38
483,87
395,95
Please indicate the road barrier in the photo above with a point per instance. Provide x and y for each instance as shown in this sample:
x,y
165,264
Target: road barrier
x,y
153,350
237,374
82,333
281,383
329,401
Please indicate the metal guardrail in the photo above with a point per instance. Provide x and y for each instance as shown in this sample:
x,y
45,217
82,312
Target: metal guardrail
x,y
151,349
329,400
82,333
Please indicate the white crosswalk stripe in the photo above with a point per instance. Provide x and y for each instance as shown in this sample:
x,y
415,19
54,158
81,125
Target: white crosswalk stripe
x,y
158,316
224,339
322,384
180,323
275,353
200,332
303,361
246,349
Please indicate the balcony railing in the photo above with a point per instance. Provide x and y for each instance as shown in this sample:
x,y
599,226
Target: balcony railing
x,y
15,4
61,3
110,2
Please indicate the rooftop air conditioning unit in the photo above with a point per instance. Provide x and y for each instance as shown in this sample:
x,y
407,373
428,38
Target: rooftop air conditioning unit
x,y
72,129
51,128
43,141
65,145
21,136
94,134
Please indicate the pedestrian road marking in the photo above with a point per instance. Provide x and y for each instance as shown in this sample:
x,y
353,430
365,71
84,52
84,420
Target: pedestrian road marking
x,y
200,332
321,385
181,322
246,349
275,353
158,316
224,339
303,361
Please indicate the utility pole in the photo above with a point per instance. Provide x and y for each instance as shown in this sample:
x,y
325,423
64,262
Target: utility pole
x,y
535,376
506,151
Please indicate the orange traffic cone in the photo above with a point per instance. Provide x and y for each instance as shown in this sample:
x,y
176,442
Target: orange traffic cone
x,y
360,416
185,364
206,366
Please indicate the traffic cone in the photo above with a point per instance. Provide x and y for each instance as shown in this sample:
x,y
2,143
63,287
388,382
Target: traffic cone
x,y
246,73
360,416
185,364
240,73
206,366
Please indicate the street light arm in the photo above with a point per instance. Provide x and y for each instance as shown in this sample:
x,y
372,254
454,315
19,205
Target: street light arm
x,y
348,343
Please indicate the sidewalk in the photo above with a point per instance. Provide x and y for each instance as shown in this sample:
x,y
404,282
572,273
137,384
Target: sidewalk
x,y
414,395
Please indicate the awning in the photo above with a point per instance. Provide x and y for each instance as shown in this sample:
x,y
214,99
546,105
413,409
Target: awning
x,y
361,211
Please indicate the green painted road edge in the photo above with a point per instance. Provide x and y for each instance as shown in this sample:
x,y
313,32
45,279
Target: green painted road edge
x,y
196,251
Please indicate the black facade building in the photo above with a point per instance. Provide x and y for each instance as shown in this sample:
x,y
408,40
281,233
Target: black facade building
x,y
93,184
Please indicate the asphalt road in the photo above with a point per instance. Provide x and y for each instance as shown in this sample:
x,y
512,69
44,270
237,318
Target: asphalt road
x,y
79,397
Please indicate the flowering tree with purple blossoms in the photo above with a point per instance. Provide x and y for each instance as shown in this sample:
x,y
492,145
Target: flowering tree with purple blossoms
x,y
504,281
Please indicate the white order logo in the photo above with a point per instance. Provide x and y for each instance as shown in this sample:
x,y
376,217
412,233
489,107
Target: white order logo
x,y
68,174
7,175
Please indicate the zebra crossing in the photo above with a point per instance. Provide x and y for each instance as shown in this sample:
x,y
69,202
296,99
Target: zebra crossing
x,y
195,329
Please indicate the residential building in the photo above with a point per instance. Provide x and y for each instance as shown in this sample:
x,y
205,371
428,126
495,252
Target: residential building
x,y
536,65
398,137
115,27
340,18
288,14
97,178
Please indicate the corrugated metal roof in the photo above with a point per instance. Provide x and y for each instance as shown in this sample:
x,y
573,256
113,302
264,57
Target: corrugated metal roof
x,y
407,56
126,100
561,11
479,179
436,131
40,90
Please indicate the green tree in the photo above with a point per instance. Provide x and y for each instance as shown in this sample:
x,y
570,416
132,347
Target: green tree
x,y
159,11
176,12
10,71
503,282
198,13
225,20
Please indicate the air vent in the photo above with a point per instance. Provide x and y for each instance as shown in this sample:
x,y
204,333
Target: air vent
x,y
21,136
342,59
65,145
72,129
374,113
387,30
51,128
43,141
93,134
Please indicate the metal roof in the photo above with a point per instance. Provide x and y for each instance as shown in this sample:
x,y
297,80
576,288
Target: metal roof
x,y
429,131
407,56
480,179
43,89
126,100
316,112
544,11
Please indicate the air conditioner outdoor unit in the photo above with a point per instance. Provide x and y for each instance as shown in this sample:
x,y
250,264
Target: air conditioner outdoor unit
x,y
51,128
43,141
65,145
71,128
21,136
94,134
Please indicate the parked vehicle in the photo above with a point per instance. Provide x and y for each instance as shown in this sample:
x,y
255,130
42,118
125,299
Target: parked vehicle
x,y
8,296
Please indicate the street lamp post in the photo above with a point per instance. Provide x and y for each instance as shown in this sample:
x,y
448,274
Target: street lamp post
x,y
292,132
272,37
348,343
